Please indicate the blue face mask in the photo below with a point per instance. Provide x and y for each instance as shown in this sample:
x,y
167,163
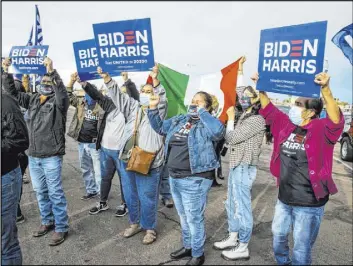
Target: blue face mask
x,y
45,90
245,102
89,100
295,115
144,99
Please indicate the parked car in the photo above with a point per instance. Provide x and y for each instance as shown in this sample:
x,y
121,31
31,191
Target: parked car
x,y
347,139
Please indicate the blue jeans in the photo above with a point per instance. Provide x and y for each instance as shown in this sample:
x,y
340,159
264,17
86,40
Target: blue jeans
x,y
190,198
90,166
306,224
46,181
10,195
141,195
165,187
109,164
238,203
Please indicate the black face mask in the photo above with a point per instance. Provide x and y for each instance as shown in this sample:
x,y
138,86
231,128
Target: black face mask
x,y
193,112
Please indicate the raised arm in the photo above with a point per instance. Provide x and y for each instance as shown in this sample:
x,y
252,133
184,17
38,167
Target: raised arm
x,y
70,88
333,111
158,124
274,117
214,127
61,96
8,84
334,122
122,101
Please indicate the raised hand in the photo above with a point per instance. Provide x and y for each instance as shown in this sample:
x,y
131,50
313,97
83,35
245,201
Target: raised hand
x,y
6,63
255,77
105,76
48,63
323,79
154,101
154,72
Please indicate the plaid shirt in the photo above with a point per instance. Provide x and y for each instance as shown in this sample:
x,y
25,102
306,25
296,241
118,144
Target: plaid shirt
x,y
245,140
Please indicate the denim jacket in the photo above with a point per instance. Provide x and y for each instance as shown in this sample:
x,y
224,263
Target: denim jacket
x,y
201,139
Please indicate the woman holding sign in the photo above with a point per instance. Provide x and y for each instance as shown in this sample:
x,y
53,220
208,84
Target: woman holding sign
x,y
191,160
302,163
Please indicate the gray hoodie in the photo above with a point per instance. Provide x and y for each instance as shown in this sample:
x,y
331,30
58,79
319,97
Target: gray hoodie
x,y
148,139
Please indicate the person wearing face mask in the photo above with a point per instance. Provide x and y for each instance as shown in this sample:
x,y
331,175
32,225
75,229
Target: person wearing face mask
x,y
141,190
302,163
245,139
109,141
130,87
47,111
84,129
190,155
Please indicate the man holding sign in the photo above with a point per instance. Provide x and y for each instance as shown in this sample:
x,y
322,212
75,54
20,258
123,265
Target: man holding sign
x,y
46,127
302,163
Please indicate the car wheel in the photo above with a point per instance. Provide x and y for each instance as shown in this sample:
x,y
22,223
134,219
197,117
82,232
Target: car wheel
x,y
346,150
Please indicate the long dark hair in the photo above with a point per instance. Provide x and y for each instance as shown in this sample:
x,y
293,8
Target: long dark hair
x,y
255,106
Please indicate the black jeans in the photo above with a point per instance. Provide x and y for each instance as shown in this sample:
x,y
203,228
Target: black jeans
x,y
23,161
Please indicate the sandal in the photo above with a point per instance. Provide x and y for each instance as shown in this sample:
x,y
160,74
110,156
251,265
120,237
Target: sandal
x,y
150,237
132,230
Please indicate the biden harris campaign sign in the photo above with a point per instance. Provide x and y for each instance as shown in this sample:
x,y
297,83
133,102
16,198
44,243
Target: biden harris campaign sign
x,y
125,45
290,57
28,59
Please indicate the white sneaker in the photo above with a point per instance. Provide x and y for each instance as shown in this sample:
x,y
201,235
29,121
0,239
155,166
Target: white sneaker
x,y
230,241
241,252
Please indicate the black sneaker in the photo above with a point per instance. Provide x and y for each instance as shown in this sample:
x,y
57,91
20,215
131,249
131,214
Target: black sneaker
x,y
121,211
102,206
89,196
20,219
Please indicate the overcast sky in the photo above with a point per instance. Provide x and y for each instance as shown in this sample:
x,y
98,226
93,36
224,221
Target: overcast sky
x,y
207,36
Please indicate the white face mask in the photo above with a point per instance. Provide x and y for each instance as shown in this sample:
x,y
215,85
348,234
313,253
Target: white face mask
x,y
144,99
295,115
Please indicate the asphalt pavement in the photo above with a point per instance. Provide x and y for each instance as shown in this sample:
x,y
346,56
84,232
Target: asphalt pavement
x,y
97,240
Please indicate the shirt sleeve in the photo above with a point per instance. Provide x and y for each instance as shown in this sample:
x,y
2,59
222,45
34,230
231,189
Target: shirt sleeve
x,y
230,125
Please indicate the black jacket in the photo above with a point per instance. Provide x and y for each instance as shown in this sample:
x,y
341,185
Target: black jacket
x,y
105,103
131,90
20,88
14,134
47,121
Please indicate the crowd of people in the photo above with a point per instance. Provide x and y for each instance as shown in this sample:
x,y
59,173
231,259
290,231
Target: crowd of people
x,y
124,130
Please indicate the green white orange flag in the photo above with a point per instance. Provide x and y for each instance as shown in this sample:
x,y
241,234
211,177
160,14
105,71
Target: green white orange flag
x,y
222,84
175,84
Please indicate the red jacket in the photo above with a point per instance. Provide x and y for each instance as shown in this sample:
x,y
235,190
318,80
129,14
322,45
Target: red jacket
x,y
322,134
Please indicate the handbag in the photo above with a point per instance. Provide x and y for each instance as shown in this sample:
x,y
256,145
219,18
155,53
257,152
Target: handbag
x,y
140,161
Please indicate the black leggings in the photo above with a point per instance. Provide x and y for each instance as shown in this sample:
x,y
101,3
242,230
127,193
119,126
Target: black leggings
x,y
23,160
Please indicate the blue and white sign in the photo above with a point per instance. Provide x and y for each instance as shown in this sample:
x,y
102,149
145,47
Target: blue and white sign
x,y
86,59
290,57
28,59
125,45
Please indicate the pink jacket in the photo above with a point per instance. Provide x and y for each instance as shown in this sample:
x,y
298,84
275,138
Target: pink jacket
x,y
322,134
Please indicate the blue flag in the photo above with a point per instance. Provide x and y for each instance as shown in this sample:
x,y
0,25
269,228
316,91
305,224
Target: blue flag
x,y
340,40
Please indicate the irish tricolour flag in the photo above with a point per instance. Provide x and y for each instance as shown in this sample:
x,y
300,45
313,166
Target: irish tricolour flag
x,y
222,84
